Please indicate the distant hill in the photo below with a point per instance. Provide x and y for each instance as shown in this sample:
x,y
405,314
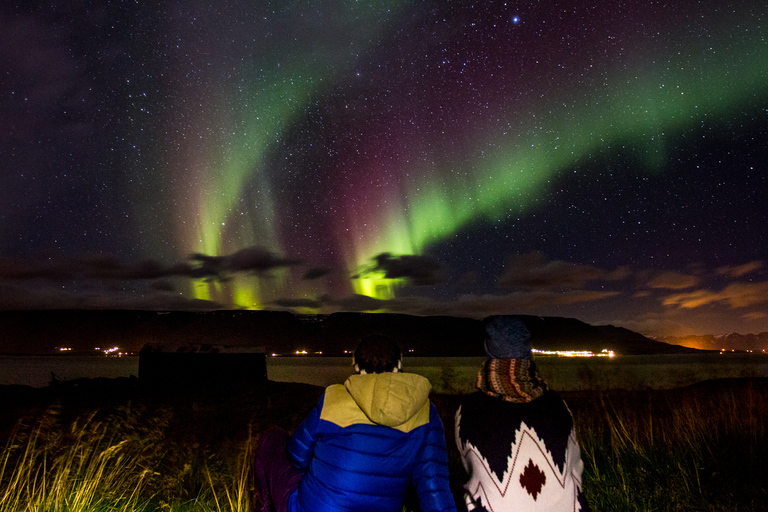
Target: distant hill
x,y
742,342
27,332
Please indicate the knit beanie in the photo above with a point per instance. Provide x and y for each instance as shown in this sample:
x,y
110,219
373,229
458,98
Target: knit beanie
x,y
507,337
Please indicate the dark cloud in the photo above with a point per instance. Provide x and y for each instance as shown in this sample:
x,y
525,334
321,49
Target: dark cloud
x,y
532,270
674,281
357,303
17,298
651,324
619,274
472,306
54,297
51,268
297,303
468,279
316,273
57,267
147,269
737,295
250,259
418,270
528,300
185,269
86,266
103,266
163,285
257,259
740,270
202,266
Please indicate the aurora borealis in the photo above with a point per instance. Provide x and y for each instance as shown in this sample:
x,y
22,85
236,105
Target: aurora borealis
x,y
600,160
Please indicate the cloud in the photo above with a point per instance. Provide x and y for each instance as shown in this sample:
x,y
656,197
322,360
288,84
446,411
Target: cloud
x,y
755,315
356,303
250,259
618,274
36,268
53,297
419,270
532,270
297,303
737,295
475,306
691,300
84,266
17,298
544,298
740,270
742,295
163,285
468,278
316,273
673,281
147,269
202,266
257,259
652,324
97,266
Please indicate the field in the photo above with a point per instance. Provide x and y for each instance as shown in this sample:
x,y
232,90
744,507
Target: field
x,y
110,445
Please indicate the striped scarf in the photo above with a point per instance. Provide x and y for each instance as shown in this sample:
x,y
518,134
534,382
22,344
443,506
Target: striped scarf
x,y
512,380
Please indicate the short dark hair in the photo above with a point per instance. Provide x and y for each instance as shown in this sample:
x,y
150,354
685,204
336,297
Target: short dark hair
x,y
377,354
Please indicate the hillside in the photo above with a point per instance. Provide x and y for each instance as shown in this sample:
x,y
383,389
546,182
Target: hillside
x,y
755,342
28,332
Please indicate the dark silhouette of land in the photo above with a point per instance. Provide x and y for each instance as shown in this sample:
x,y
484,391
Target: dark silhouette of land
x,y
35,332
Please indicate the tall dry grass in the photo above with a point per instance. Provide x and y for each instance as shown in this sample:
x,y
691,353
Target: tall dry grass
x,y
697,448
124,461
85,467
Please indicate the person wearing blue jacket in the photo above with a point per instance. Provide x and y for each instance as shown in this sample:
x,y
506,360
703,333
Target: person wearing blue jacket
x,y
363,446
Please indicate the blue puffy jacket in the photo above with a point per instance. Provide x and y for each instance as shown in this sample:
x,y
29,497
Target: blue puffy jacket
x,y
366,442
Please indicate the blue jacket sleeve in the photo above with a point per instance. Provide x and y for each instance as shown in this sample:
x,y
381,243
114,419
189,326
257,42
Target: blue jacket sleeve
x,y
430,475
301,446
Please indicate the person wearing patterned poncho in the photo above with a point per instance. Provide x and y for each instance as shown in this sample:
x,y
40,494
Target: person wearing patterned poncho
x,y
515,436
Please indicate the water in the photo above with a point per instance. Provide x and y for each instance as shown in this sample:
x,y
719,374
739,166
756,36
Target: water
x,y
38,371
447,374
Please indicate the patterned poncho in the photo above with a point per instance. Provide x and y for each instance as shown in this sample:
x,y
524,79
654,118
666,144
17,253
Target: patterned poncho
x,y
517,443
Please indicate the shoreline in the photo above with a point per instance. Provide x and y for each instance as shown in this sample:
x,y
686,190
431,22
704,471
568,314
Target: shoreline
x,y
447,374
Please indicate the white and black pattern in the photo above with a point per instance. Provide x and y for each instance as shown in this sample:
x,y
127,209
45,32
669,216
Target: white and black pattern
x,y
519,456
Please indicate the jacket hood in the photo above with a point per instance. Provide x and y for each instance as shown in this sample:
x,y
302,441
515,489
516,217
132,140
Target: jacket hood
x,y
389,399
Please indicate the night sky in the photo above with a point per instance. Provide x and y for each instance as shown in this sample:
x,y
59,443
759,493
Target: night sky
x,y
606,161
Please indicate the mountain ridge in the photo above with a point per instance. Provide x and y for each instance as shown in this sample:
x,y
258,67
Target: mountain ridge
x,y
42,332
752,342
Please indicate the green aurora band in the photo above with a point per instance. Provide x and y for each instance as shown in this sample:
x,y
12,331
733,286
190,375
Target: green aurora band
x,y
434,201
649,110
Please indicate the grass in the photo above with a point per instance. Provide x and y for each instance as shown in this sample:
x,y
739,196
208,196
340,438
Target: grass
x,y
86,453
697,448
85,467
